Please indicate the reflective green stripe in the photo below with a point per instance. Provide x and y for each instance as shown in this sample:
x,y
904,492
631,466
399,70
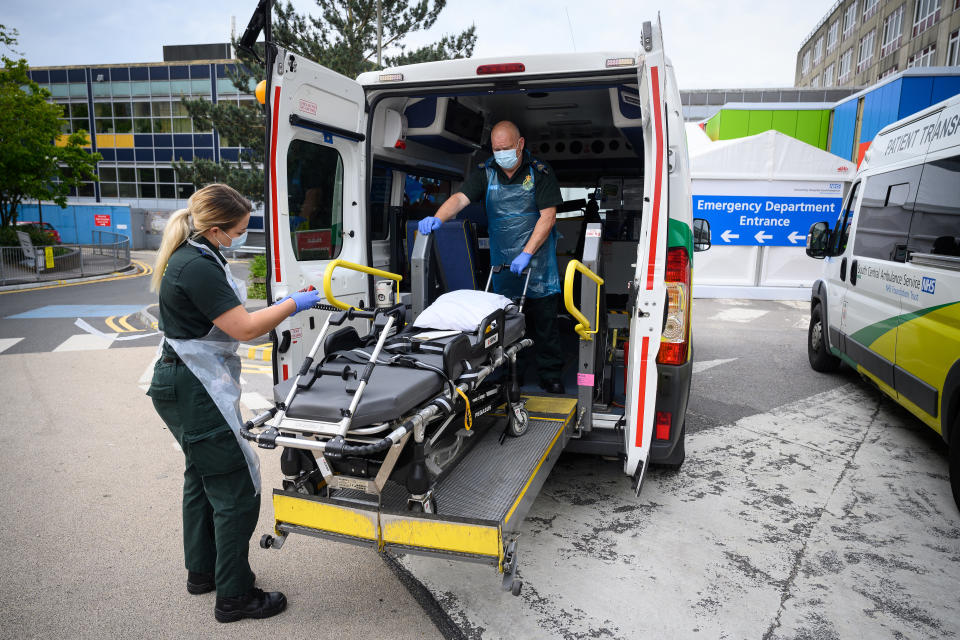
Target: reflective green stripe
x,y
679,234
871,333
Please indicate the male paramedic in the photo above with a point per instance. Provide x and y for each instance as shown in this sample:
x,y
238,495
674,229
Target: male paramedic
x,y
520,195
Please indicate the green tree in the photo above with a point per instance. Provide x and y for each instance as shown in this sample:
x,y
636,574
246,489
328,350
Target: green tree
x,y
341,37
33,165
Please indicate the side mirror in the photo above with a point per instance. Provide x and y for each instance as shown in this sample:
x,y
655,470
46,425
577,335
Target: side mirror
x,y
818,240
701,234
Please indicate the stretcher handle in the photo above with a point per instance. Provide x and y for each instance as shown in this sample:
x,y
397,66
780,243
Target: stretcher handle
x,y
338,263
583,328
497,268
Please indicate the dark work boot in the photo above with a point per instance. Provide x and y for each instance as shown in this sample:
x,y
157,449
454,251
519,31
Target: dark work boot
x,y
253,604
198,583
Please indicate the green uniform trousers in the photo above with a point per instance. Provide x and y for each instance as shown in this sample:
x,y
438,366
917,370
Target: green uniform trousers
x,y
541,325
220,508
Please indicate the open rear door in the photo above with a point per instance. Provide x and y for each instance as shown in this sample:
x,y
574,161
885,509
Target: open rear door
x,y
316,165
649,289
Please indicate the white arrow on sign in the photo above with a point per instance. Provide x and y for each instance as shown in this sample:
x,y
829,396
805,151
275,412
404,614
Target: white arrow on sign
x,y
727,236
761,236
794,236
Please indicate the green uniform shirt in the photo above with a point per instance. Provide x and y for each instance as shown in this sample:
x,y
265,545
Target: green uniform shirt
x,y
546,188
193,292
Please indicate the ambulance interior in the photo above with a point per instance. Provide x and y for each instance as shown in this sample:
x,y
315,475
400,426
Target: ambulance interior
x,y
423,147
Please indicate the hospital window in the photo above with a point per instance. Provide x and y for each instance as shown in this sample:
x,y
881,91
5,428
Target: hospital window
x,y
889,72
314,200
892,32
844,70
828,75
885,215
866,50
925,15
818,51
832,33
953,49
805,66
815,82
849,19
923,58
935,227
870,8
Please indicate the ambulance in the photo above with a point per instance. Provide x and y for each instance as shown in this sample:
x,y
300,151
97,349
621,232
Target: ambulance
x,y
888,303
353,165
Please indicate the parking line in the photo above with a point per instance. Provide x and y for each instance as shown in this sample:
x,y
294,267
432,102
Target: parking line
x,y
113,327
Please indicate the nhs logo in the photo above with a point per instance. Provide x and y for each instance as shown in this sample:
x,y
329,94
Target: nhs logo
x,y
928,285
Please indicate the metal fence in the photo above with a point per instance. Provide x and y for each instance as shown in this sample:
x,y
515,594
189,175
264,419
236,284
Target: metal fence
x,y
108,252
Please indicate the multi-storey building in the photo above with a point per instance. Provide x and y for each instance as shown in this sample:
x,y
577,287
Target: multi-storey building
x,y
138,123
861,41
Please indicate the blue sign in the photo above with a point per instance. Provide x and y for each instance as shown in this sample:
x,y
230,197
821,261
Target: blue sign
x,y
764,220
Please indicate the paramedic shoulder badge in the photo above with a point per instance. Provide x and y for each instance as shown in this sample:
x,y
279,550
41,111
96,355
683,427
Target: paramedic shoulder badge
x,y
528,183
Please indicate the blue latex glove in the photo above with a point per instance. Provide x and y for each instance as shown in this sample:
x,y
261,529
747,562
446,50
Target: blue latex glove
x,y
520,263
304,300
428,224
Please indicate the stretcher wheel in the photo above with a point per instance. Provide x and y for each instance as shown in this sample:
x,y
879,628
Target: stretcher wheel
x,y
517,586
517,425
266,541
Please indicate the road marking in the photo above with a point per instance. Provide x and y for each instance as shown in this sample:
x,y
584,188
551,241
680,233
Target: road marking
x,y
145,270
6,343
739,315
87,342
86,326
110,324
78,311
257,351
699,367
125,323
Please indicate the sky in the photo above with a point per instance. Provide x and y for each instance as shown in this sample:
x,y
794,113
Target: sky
x,y
713,44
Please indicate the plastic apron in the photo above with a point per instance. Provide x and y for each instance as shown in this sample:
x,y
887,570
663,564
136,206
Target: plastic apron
x,y
214,361
512,215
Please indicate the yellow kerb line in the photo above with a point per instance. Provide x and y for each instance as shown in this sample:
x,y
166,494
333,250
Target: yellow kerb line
x,y
113,327
147,270
126,325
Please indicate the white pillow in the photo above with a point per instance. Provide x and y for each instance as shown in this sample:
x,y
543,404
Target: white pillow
x,y
461,310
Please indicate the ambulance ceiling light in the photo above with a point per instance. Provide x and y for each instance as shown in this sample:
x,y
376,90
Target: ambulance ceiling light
x,y
391,77
505,67
621,62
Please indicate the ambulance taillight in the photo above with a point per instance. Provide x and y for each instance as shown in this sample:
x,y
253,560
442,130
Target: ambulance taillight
x,y
676,333
661,429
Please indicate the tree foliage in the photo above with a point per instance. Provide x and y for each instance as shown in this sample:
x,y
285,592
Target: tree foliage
x,y
33,166
342,37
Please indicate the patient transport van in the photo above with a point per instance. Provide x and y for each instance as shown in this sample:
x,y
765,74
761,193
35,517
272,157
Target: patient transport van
x,y
352,165
889,300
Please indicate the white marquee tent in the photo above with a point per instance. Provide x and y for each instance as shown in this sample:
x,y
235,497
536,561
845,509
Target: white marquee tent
x,y
776,175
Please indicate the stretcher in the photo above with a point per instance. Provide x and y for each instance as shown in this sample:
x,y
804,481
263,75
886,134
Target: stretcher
x,y
411,438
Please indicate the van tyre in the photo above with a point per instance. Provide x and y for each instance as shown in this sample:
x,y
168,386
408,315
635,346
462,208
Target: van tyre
x,y
955,460
820,357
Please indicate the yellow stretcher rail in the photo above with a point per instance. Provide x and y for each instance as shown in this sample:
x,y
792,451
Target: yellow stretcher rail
x,y
583,328
328,277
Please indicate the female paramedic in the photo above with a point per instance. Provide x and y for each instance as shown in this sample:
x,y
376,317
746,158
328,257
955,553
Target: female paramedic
x,y
196,391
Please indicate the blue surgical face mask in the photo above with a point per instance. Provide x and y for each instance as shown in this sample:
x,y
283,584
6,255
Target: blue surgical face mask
x,y
236,243
507,158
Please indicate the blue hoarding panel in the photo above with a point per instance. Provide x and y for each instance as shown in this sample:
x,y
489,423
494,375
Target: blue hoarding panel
x,y
77,223
944,87
915,95
844,123
764,220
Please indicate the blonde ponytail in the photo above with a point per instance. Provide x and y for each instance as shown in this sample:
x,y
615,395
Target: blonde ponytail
x,y
174,234
216,205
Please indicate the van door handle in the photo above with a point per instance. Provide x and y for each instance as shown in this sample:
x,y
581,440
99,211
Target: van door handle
x,y
853,272
843,269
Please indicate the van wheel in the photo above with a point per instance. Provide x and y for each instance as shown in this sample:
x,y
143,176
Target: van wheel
x,y
820,357
955,460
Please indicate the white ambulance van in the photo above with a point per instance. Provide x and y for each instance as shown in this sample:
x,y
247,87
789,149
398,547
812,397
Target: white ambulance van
x,y
889,300
352,165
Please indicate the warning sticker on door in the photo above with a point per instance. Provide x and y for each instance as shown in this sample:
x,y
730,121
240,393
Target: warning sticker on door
x,y
308,107
592,233
584,379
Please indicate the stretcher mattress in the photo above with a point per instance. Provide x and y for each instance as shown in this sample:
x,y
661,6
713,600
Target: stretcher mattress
x,y
392,392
